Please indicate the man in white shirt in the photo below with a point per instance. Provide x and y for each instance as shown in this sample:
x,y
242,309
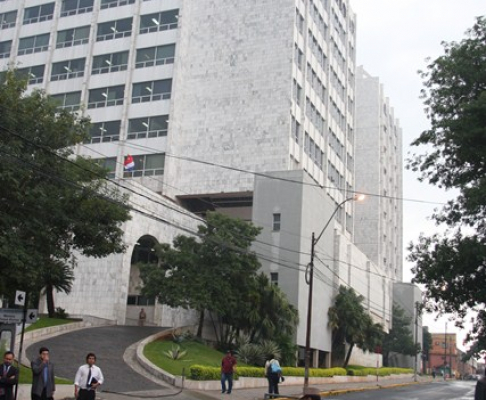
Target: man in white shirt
x,y
88,378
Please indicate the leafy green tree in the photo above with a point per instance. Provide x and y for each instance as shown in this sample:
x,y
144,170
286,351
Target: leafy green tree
x,y
212,271
399,339
452,265
351,324
52,203
426,347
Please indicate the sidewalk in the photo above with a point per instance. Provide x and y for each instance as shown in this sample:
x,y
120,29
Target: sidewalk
x,y
329,389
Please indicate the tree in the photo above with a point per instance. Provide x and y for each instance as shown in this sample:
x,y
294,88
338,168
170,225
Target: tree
x,y
399,339
426,347
452,265
212,271
351,324
52,203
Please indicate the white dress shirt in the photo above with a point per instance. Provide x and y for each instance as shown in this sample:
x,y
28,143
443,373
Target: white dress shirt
x,y
81,379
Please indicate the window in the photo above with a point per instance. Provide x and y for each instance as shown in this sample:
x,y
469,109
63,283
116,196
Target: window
x,y
114,29
133,300
109,164
34,74
7,20
110,63
5,48
115,3
73,37
148,127
147,165
107,131
73,7
69,101
159,21
151,91
106,97
33,44
67,69
274,278
40,13
276,222
151,56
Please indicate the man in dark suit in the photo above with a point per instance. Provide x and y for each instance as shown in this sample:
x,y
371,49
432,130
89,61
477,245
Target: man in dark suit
x,y
43,385
9,376
480,393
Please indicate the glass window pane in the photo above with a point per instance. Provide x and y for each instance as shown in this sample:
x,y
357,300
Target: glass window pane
x,y
120,58
47,9
145,54
138,125
42,40
158,123
73,98
124,25
81,33
26,43
169,17
155,161
163,86
166,51
96,95
68,5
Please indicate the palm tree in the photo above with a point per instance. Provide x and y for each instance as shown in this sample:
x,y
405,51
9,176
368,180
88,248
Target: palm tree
x,y
350,323
55,275
270,314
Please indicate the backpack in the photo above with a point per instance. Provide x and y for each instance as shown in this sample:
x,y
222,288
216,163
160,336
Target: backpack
x,y
275,368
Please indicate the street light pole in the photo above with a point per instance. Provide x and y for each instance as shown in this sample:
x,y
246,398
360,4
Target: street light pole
x,y
309,277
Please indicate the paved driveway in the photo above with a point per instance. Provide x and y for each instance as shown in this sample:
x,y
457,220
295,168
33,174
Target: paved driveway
x,y
69,351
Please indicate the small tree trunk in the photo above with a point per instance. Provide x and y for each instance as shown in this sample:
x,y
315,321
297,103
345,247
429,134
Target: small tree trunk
x,y
348,356
50,301
200,325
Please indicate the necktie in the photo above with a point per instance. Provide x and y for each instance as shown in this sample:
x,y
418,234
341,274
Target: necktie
x,y
89,379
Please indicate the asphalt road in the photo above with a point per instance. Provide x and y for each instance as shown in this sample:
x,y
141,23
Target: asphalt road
x,y
439,390
69,351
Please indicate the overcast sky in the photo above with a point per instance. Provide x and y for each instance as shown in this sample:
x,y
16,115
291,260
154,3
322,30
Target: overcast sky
x,y
394,39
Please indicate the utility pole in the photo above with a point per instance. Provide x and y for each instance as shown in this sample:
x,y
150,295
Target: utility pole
x,y
415,362
445,350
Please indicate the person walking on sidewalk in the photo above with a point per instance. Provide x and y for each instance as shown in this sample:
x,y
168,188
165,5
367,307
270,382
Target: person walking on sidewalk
x,y
228,364
43,385
88,378
273,372
9,376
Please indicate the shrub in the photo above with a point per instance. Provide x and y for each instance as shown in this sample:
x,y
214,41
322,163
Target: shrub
x,y
61,313
385,371
175,353
251,354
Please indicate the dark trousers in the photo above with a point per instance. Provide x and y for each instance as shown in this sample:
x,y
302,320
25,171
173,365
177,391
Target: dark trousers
x,y
273,380
226,377
85,394
42,396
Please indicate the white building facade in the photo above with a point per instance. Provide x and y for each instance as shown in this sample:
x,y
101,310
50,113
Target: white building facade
x,y
379,171
206,96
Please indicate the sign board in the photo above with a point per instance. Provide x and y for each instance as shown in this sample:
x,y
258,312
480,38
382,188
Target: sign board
x,y
15,316
19,298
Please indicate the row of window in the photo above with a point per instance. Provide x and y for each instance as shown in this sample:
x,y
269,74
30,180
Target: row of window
x,y
105,63
45,12
80,35
138,128
114,95
145,165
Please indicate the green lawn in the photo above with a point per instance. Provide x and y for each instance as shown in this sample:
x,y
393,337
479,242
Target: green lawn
x,y
26,377
45,322
197,353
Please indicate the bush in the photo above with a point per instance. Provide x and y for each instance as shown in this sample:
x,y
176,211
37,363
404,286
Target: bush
x,y
385,371
61,313
204,373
